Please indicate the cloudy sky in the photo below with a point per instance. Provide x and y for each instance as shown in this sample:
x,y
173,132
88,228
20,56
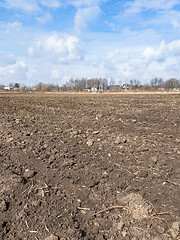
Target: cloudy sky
x,y
54,40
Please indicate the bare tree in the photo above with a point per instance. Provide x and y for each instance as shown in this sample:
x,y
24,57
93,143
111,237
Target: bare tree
x,y
172,83
157,82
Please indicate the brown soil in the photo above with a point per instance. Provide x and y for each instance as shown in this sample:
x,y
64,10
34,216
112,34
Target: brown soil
x,y
64,158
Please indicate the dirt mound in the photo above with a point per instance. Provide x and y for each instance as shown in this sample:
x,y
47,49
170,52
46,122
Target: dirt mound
x,y
137,206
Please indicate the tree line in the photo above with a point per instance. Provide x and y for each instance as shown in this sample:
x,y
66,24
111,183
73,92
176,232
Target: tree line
x,y
99,84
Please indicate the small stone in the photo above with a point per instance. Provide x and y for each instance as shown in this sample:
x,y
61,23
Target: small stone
x,y
94,230
175,229
96,132
52,158
104,174
174,233
96,224
154,159
176,226
3,206
36,203
175,149
143,174
120,226
58,194
124,233
117,141
98,116
157,238
52,237
10,140
121,140
160,229
134,120
177,140
90,142
148,235
29,173
100,237
45,146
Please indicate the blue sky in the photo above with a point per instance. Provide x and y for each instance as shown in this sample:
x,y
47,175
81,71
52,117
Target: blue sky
x,y
54,40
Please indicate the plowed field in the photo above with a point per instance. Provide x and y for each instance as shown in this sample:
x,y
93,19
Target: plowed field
x,y
64,158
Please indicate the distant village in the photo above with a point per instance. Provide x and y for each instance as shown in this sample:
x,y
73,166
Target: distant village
x,y
96,85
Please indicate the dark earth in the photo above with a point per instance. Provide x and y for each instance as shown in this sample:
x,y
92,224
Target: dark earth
x,y
66,157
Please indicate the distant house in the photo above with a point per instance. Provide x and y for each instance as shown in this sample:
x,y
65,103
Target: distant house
x,y
126,87
100,88
7,88
94,89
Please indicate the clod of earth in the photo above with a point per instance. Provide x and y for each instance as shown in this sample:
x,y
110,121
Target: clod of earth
x,y
134,120
29,173
121,140
90,142
174,230
52,237
3,206
10,140
96,132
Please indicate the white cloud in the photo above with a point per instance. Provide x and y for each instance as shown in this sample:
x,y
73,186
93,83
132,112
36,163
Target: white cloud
x,y
84,3
56,48
85,15
165,19
51,3
163,52
152,54
87,11
162,61
111,25
174,48
47,17
23,5
14,25
30,6
9,26
31,51
12,70
35,5
175,24
143,5
121,63
7,60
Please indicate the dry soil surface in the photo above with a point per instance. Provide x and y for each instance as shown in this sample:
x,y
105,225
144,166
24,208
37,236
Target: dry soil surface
x,y
90,167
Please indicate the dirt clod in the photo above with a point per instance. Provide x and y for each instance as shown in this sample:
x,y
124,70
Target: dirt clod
x,y
52,237
3,206
90,142
29,173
